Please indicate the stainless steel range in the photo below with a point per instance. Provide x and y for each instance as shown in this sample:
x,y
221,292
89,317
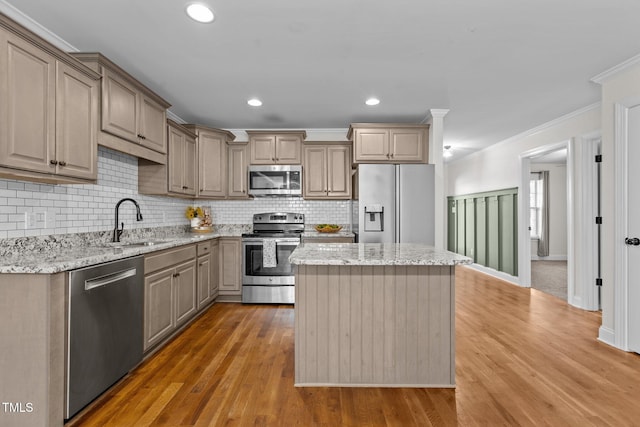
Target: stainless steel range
x,y
267,274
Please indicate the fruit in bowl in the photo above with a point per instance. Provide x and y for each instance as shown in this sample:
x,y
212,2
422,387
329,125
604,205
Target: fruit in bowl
x,y
328,228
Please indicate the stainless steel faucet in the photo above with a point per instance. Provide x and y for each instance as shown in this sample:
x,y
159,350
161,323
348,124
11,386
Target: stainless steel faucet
x,y
117,232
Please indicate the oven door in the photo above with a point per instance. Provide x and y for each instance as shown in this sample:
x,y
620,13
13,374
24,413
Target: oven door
x,y
253,270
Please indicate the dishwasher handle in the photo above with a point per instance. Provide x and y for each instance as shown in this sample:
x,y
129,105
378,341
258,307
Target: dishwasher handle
x,y
108,279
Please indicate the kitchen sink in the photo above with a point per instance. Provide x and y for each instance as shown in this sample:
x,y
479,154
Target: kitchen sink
x,y
136,244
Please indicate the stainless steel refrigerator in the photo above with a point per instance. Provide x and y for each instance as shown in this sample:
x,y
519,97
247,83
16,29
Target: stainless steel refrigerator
x,y
395,204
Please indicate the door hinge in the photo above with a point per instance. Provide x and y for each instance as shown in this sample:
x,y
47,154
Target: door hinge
x,y
598,220
598,158
598,281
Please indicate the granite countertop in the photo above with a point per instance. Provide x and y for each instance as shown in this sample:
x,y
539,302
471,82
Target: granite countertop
x,y
374,254
42,256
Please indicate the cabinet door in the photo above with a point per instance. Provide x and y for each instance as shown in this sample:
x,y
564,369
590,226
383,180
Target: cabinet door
x,y
407,145
237,171
185,292
159,317
119,107
230,266
315,171
189,168
212,158
76,123
204,280
152,125
288,150
371,145
262,150
27,105
339,172
176,159
215,269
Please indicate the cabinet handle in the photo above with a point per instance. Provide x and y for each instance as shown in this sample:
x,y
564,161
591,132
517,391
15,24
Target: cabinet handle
x,y
53,162
62,163
176,274
184,187
201,264
140,136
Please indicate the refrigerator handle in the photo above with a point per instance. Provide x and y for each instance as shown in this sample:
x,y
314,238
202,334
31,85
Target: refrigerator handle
x,y
396,237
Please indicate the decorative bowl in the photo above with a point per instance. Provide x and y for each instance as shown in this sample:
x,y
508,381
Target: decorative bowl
x,y
328,228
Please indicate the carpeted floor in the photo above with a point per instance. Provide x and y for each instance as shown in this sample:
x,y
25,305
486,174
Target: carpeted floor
x,y
550,277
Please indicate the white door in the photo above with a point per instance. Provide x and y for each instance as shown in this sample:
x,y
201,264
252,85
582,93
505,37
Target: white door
x,y
633,228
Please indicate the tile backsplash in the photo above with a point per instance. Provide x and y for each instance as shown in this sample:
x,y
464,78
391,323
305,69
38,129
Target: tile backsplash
x,y
32,209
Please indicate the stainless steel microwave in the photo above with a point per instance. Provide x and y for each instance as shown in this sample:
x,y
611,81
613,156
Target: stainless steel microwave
x,y
275,180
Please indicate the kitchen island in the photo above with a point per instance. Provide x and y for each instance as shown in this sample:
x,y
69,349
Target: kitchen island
x,y
375,315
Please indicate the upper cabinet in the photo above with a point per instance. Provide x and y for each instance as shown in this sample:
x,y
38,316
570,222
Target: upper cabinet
x,y
238,154
48,111
181,160
212,161
133,117
389,143
276,147
327,171
178,176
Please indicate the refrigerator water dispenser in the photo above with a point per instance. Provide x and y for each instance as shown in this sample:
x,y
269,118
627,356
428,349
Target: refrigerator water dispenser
x,y
374,218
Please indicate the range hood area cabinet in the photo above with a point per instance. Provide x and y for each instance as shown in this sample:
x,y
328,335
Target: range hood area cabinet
x,y
177,177
48,111
133,116
327,171
389,142
276,147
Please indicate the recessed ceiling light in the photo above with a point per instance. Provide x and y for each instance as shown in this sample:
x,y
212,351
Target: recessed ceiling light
x,y
447,151
199,12
372,101
254,102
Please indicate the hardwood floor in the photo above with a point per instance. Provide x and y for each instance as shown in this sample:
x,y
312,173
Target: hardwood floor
x,y
522,358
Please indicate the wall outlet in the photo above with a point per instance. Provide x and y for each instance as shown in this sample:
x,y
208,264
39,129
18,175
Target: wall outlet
x,y
34,220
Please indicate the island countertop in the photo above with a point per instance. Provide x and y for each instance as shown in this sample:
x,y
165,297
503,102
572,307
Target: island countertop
x,y
374,254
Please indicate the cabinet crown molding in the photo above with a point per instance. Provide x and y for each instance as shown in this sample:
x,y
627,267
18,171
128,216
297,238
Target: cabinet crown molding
x,y
96,60
354,126
196,128
303,133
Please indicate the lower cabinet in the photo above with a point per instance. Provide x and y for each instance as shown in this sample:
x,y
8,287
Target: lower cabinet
x,y
230,267
170,292
205,261
214,283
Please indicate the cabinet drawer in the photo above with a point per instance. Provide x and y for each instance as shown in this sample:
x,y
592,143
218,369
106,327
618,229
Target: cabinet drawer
x,y
204,248
169,257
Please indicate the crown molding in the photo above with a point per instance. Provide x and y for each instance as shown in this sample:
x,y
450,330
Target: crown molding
x,y
547,125
35,27
434,113
173,116
615,70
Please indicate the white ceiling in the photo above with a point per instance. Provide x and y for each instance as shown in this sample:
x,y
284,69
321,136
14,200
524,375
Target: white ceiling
x,y
500,66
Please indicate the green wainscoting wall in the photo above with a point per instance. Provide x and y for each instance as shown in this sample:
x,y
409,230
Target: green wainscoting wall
x,y
484,226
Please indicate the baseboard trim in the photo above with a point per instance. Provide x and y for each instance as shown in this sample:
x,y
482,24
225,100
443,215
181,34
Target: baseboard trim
x,y
608,336
548,258
495,273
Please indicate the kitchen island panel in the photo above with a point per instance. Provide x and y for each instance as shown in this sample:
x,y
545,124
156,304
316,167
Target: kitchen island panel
x,y
374,326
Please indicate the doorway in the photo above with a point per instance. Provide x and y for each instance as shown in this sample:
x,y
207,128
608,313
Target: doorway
x,y
581,210
548,223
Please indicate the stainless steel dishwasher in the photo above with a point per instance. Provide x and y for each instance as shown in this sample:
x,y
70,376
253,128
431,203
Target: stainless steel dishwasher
x,y
104,328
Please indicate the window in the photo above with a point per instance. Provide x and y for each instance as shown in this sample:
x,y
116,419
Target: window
x,y
535,204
